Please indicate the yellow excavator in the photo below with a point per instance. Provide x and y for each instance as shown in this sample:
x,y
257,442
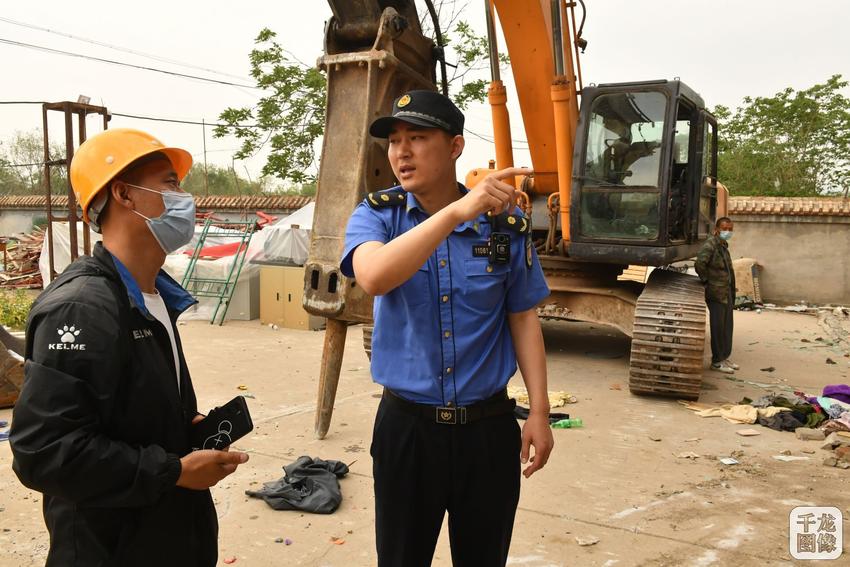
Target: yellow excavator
x,y
626,177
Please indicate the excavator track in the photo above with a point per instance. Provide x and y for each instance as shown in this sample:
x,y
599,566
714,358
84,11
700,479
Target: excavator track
x,y
668,340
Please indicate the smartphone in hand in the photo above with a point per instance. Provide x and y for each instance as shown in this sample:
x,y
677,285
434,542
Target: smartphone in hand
x,y
223,426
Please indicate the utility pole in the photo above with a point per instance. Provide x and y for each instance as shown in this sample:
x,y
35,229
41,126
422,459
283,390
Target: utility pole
x,y
206,181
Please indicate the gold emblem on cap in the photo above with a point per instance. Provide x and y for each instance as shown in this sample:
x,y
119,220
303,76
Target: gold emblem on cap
x,y
385,198
511,220
403,101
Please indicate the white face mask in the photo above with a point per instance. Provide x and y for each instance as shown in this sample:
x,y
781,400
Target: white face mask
x,y
175,227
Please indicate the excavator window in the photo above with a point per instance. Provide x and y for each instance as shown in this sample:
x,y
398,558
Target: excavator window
x,y
620,190
708,198
680,182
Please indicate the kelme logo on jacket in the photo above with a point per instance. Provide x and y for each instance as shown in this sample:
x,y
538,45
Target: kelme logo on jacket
x,y
142,333
67,339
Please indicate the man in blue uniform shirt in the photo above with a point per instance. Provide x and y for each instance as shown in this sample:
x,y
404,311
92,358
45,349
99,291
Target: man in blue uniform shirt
x,y
455,311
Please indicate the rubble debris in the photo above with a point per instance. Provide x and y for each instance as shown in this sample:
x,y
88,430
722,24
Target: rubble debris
x,y
830,361
806,434
556,399
768,369
834,462
688,455
836,440
587,541
729,461
748,432
22,270
11,376
789,458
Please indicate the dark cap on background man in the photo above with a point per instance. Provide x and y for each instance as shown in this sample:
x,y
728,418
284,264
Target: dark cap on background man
x,y
429,109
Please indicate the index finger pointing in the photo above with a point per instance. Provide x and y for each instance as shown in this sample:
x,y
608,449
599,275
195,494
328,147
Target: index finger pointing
x,y
512,172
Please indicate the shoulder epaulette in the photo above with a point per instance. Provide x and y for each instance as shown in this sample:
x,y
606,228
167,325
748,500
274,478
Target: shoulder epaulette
x,y
516,223
383,199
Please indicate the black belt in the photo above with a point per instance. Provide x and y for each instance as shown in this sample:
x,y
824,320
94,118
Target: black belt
x,y
499,404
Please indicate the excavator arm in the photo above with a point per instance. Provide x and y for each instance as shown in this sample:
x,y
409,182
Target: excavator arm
x,y
374,50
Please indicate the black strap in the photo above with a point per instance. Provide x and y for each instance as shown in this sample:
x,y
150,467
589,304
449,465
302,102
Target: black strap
x,y
499,404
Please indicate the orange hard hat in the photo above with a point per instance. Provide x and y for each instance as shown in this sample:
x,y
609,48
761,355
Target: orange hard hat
x,y
100,158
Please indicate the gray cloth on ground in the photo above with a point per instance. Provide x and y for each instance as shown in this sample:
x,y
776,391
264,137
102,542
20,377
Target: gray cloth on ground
x,y
782,421
764,401
309,485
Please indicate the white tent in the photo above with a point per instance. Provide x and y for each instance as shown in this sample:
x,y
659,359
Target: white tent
x,y
287,241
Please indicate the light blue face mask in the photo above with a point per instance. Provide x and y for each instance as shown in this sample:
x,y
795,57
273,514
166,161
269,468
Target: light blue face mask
x,y
175,227
726,234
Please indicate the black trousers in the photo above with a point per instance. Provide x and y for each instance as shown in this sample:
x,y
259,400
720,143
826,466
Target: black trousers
x,y
720,319
423,469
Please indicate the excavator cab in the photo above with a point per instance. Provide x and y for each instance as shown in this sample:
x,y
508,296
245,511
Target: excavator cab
x,y
644,188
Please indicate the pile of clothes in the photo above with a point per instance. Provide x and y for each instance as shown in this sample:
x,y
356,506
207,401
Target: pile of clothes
x,y
783,412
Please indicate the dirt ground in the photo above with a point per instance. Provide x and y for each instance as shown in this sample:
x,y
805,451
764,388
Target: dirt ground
x,y
618,479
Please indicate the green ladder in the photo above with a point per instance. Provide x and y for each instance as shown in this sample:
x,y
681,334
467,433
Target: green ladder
x,y
221,289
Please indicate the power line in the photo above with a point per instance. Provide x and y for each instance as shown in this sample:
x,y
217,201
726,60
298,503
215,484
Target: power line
x,y
215,124
39,164
119,48
121,63
152,118
492,141
177,121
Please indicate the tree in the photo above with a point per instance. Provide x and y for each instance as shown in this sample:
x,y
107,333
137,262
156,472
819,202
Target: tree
x,y
22,169
220,181
795,143
291,117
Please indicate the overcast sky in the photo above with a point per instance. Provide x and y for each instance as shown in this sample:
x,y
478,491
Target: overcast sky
x,y
725,49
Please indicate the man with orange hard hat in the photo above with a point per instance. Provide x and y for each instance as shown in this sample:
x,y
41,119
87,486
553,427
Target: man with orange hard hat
x,y
103,422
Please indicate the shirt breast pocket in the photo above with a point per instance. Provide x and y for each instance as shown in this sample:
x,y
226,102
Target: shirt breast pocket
x,y
417,290
486,284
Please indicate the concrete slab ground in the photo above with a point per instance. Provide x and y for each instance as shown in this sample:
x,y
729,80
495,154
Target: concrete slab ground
x,y
618,479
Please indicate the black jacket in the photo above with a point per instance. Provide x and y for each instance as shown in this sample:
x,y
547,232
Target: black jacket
x,y
714,267
100,426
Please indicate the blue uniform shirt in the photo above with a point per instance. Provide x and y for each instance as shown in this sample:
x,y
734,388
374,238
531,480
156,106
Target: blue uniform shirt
x,y
443,335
